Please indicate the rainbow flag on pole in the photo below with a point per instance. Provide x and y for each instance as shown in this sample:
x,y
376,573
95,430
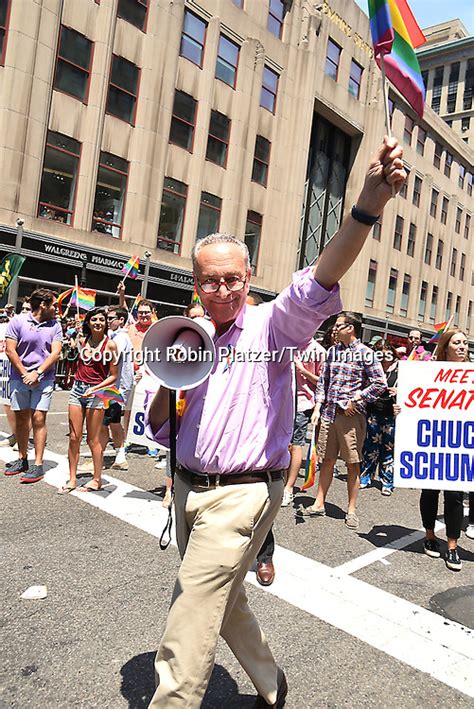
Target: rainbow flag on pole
x,y
136,303
132,267
62,297
311,460
395,36
440,329
110,395
82,298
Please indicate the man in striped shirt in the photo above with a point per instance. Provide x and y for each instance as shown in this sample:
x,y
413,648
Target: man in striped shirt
x,y
352,377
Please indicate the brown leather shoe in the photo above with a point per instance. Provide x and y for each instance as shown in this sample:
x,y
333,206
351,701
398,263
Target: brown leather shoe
x,y
265,573
260,702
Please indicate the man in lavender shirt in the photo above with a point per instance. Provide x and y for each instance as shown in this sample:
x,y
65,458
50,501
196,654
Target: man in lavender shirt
x,y
232,446
34,342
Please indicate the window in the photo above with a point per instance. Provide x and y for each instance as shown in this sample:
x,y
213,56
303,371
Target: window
x,y
218,139
417,182
469,316
110,195
428,249
253,230
444,210
332,59
391,109
439,255
227,61
173,206
392,290
469,183
453,86
438,152
355,79
411,240
269,89
183,120
261,160
447,164
457,311
377,230
123,89
398,234
462,267
238,3
133,11
434,304
408,131
434,202
405,295
276,12
454,258
467,226
4,20
423,299
424,76
420,141
369,294
209,215
449,305
193,38
468,86
437,88
404,188
59,179
457,225
465,123
73,64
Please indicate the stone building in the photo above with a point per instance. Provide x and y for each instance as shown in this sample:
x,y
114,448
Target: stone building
x,y
135,126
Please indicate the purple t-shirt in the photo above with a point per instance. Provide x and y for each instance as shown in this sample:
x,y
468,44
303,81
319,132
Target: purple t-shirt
x,y
34,342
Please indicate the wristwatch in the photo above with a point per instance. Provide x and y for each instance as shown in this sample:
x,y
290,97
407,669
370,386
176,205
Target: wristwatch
x,y
40,374
363,218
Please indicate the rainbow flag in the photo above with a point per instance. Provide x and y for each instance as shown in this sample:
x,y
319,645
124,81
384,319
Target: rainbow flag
x,y
311,460
440,329
109,395
132,267
395,36
83,298
62,297
196,298
135,305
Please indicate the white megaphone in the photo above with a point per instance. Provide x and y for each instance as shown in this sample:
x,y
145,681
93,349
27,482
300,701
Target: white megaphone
x,y
179,352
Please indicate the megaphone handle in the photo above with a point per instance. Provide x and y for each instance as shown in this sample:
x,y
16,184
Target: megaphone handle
x,y
164,543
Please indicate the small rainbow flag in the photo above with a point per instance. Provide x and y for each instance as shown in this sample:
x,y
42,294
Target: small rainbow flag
x,y
83,298
135,305
395,36
132,267
440,329
62,297
110,395
415,354
181,403
196,298
311,460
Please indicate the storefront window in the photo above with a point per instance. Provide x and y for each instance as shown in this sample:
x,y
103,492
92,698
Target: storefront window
x,y
173,206
110,195
58,182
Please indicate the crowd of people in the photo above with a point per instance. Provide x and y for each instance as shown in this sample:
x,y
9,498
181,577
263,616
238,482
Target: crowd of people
x,y
242,432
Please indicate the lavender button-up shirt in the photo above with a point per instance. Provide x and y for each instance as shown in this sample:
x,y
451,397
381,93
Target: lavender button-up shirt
x,y
241,417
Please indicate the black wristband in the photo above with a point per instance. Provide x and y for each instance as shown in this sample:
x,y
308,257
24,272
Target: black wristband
x,y
363,218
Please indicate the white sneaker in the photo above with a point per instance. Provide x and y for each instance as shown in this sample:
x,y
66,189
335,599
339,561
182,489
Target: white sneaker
x,y
288,498
123,465
470,531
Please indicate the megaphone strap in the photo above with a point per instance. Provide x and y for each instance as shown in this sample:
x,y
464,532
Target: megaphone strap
x,y
164,543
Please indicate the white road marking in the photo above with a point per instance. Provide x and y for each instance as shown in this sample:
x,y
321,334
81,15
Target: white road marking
x,y
411,634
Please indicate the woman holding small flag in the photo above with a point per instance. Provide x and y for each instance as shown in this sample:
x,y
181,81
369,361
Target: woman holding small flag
x,y
92,391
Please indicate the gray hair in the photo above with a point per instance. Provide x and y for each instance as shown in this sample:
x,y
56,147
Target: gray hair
x,y
220,239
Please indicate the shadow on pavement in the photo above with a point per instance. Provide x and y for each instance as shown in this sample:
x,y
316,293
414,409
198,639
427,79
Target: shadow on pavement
x,y
382,534
138,686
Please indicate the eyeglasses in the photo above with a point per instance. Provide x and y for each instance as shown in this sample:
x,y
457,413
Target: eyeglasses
x,y
233,284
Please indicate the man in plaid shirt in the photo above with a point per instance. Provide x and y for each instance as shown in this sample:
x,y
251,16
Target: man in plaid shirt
x,y
351,378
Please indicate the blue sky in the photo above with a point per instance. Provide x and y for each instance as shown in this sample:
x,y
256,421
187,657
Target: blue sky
x,y
430,12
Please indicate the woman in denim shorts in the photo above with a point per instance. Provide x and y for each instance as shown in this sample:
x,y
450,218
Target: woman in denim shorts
x,y
96,369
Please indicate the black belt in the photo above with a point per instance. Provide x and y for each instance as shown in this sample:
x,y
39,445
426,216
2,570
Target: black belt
x,y
215,480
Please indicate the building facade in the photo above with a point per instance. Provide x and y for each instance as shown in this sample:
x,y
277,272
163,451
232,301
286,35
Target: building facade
x,y
134,126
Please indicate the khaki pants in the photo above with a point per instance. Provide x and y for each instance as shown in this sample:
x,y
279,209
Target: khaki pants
x,y
219,533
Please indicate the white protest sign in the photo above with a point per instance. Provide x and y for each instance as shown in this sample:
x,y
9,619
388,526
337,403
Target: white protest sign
x,y
434,433
146,387
5,368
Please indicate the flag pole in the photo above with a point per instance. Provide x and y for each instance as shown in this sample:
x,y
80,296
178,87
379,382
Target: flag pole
x,y
76,287
385,106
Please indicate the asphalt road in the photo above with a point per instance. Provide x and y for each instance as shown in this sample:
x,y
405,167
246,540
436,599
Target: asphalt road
x,y
91,642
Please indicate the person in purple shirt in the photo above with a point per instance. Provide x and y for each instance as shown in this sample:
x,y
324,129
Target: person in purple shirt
x,y
232,446
34,342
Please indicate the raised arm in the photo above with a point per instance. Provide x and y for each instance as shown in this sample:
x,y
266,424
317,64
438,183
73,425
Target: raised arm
x,y
385,170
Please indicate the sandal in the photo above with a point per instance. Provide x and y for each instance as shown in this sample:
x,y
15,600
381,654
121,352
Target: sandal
x,y
65,489
88,488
